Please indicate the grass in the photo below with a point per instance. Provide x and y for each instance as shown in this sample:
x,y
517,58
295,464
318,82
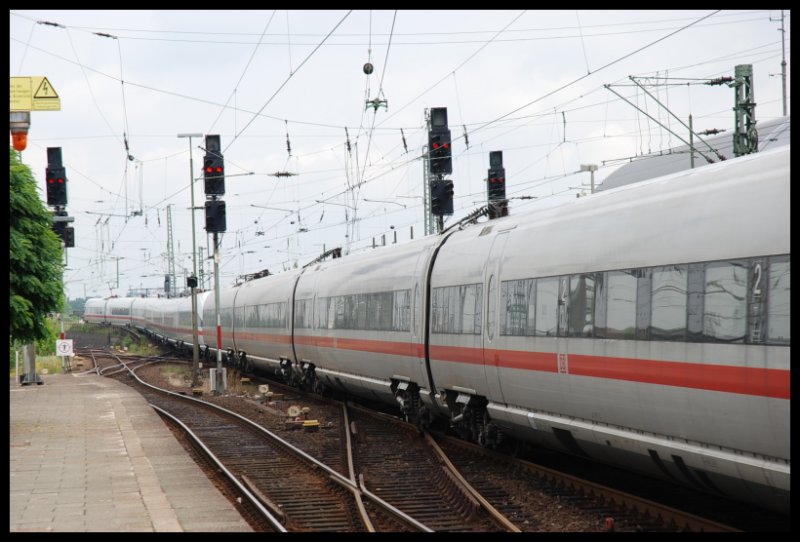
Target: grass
x,y
52,364
44,365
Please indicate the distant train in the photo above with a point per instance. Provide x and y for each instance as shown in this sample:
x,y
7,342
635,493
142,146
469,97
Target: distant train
x,y
646,327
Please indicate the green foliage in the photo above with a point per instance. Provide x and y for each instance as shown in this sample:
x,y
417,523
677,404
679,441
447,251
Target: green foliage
x,y
45,345
35,256
77,305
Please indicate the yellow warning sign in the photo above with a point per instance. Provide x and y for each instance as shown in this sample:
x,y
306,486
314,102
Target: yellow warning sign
x,y
33,94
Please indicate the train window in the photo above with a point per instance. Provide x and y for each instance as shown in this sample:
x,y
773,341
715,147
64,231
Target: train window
x,y
251,316
600,305
517,307
322,313
696,302
644,302
185,318
414,310
226,318
668,303
491,307
546,307
378,311
302,315
401,310
238,314
457,309
343,310
725,301
271,315
621,313
756,301
563,306
581,306
778,301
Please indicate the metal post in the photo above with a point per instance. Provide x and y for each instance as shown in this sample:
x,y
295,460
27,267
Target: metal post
x,y
783,64
64,363
220,380
591,168
29,365
202,282
691,144
430,223
195,347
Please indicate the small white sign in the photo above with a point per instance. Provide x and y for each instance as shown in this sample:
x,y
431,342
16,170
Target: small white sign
x,y
64,347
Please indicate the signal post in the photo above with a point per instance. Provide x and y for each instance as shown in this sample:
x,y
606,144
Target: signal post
x,y
214,181
440,163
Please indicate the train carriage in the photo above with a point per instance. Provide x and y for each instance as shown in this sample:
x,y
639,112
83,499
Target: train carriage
x,y
94,311
366,335
118,311
645,326
228,321
265,316
202,338
138,313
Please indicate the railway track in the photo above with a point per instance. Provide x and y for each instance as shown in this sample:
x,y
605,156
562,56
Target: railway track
x,y
372,465
291,490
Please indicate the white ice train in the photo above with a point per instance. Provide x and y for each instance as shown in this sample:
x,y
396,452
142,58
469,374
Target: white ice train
x,y
645,326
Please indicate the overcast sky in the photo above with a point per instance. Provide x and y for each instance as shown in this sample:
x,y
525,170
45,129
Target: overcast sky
x,y
528,83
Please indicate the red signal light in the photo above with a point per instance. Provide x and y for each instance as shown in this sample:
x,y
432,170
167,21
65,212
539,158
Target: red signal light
x,y
435,146
219,169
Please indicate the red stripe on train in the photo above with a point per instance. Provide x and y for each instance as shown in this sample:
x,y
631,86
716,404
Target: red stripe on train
x,y
725,378
743,380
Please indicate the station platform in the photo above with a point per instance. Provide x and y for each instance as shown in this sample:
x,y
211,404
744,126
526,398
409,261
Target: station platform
x,y
88,454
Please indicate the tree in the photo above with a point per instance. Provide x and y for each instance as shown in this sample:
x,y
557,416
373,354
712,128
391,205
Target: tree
x,y
35,256
77,305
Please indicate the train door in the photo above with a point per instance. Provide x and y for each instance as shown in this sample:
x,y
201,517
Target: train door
x,y
492,325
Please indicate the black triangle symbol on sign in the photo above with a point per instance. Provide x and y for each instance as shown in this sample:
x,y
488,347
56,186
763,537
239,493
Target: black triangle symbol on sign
x,y
45,90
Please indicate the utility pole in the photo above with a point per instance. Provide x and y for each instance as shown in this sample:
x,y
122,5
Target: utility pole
x,y
193,286
202,270
783,61
170,254
221,384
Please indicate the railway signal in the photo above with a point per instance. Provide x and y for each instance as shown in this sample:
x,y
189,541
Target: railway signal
x,y
442,197
66,233
496,186
496,180
215,216
55,178
69,237
213,167
439,143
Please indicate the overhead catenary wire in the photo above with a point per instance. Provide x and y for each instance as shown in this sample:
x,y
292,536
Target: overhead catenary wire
x,y
239,133
617,60
391,158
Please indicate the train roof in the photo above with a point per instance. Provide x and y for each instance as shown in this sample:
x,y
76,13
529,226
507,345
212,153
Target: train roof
x,y
771,134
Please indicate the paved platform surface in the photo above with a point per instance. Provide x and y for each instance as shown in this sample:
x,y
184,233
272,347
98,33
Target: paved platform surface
x,y
87,453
